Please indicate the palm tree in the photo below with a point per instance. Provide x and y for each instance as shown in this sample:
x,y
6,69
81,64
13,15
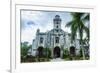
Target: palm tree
x,y
77,26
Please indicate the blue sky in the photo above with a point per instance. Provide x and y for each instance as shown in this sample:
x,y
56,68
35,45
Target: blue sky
x,y
43,20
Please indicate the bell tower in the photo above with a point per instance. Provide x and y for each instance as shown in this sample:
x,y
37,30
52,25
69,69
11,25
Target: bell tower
x,y
57,22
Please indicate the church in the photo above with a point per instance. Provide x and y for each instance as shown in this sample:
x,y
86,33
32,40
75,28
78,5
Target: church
x,y
56,40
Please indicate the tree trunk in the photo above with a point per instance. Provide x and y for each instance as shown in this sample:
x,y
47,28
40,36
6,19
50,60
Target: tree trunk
x,y
83,52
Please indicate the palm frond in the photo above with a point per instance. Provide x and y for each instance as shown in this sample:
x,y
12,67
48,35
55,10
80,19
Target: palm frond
x,y
69,24
87,17
87,32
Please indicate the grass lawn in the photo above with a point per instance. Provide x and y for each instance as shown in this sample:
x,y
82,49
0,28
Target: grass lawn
x,y
35,59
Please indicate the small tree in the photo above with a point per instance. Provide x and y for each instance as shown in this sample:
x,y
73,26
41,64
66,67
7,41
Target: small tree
x,y
24,49
65,53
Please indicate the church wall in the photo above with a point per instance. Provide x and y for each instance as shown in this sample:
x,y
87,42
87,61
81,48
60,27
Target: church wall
x,y
34,44
49,39
43,43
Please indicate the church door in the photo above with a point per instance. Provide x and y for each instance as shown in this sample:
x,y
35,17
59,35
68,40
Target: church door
x,y
56,52
40,52
72,50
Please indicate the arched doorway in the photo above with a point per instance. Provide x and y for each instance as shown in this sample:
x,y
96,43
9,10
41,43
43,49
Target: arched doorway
x,y
56,52
72,50
40,51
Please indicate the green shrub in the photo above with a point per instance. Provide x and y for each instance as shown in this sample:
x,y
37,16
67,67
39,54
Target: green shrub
x,y
49,53
65,53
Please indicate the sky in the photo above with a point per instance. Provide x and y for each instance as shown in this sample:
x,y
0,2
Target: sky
x,y
43,20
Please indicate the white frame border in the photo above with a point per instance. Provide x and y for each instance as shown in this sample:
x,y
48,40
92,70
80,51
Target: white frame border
x,y
15,65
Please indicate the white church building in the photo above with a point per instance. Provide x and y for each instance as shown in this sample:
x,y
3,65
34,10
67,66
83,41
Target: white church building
x,y
55,40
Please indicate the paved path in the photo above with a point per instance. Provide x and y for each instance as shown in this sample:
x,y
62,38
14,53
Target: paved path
x,y
57,59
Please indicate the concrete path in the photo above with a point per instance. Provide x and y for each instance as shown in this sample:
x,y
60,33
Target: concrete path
x,y
56,59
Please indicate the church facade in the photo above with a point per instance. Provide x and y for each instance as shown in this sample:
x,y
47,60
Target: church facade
x,y
56,40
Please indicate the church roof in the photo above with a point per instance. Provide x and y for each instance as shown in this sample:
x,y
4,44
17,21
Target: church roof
x,y
57,16
41,33
57,29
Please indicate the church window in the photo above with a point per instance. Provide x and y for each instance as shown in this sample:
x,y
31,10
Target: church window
x,y
41,40
56,30
57,26
57,39
57,22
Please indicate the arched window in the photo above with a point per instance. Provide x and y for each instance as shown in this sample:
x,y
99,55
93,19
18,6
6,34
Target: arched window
x,y
57,26
57,30
57,40
41,40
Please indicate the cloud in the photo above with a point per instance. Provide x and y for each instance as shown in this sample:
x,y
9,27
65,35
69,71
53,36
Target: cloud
x,y
30,23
